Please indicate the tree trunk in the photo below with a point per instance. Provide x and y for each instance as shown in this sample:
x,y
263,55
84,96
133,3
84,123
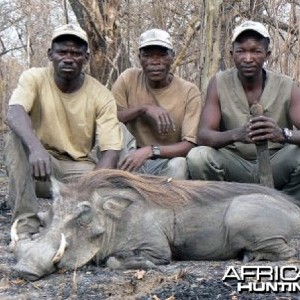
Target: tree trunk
x,y
218,21
211,54
99,19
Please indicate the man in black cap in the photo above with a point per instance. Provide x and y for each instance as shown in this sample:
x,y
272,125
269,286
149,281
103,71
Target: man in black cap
x,y
228,133
160,109
55,115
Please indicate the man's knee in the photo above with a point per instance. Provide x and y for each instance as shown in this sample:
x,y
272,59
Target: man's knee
x,y
177,168
197,160
16,160
129,142
13,148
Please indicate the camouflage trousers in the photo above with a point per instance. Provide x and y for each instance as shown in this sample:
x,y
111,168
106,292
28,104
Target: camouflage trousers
x,y
24,190
206,163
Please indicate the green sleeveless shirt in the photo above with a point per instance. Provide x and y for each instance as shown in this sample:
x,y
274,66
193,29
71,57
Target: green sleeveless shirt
x,y
235,108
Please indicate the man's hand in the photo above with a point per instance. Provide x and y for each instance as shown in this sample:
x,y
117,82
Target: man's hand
x,y
242,134
161,119
264,128
39,160
135,159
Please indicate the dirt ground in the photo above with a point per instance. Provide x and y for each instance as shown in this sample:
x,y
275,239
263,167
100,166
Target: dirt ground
x,y
179,280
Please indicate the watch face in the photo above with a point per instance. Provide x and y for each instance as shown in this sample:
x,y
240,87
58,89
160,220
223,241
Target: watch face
x,y
156,151
288,133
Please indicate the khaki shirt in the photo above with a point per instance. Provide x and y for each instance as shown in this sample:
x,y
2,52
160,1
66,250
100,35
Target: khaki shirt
x,y
181,99
235,108
69,124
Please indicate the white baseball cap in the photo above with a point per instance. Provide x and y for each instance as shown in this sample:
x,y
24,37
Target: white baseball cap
x,y
70,29
250,25
155,37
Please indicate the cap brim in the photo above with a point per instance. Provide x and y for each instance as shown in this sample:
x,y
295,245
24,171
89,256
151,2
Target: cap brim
x,y
78,35
156,43
235,36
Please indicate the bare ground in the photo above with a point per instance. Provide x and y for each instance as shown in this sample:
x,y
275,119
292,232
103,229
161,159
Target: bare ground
x,y
179,280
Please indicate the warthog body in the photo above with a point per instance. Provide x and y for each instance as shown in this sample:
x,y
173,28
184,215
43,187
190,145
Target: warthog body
x,y
130,221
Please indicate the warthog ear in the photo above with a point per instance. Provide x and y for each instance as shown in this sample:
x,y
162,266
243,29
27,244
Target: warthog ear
x,y
115,206
56,187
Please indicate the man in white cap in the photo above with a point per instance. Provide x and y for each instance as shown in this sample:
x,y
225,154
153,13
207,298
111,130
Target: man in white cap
x,y
55,115
228,133
160,109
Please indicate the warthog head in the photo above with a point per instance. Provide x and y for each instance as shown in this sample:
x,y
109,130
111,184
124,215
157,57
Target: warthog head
x,y
76,232
88,217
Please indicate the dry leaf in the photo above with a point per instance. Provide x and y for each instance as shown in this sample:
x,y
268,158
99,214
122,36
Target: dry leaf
x,y
155,298
18,281
139,274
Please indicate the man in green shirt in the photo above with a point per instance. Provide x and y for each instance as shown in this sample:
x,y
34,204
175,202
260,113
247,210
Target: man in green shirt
x,y
228,133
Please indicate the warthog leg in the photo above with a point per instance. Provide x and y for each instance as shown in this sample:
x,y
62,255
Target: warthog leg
x,y
273,249
137,262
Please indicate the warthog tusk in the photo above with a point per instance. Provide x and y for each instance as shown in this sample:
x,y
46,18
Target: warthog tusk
x,y
61,250
13,232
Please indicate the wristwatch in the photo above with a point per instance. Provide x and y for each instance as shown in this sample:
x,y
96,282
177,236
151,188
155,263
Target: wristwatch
x,y
155,151
287,133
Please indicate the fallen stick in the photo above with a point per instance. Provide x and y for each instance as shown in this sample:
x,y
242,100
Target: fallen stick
x,y
263,156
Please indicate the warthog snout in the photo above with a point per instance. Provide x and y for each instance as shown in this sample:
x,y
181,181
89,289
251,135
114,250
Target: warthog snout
x,y
27,272
37,258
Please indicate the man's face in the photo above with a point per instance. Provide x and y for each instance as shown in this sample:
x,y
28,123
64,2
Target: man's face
x,y
156,62
249,55
68,58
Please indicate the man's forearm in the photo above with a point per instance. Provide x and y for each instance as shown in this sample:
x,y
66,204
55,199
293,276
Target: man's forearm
x,y
108,159
180,149
20,123
217,139
130,114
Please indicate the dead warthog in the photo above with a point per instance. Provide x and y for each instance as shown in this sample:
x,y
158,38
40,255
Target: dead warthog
x,y
131,221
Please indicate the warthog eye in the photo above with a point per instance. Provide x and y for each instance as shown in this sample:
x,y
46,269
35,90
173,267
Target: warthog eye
x,y
84,218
